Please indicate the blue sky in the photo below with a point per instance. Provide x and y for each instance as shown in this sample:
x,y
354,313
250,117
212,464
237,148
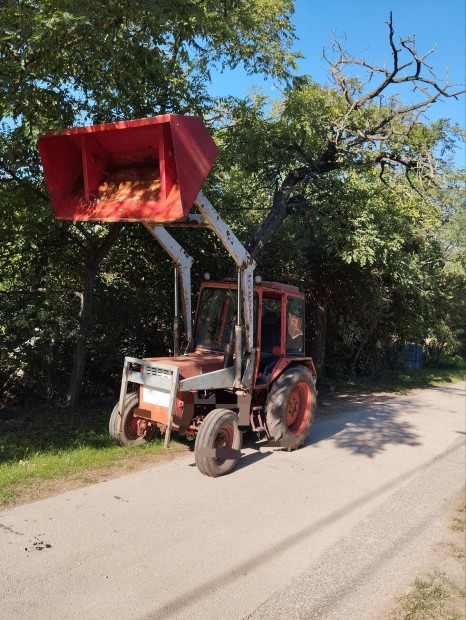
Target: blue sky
x,y
363,23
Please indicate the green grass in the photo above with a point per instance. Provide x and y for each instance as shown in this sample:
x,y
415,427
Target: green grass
x,y
458,523
38,445
399,381
431,598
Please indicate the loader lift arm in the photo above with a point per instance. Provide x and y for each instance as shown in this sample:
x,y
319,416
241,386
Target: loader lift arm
x,y
210,218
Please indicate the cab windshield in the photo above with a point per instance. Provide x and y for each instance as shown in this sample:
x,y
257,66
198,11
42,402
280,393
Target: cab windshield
x,y
216,318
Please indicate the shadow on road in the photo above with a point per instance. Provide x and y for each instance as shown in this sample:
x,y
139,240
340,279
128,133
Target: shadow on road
x,y
253,457
364,425
368,429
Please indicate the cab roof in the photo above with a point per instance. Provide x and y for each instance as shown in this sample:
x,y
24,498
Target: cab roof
x,y
277,286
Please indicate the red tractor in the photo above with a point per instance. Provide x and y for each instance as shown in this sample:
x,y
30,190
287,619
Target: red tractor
x,y
244,365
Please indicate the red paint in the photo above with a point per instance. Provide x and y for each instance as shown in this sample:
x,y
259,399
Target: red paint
x,y
141,170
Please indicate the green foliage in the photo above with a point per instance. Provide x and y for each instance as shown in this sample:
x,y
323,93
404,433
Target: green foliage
x,y
396,380
102,61
62,64
381,254
371,211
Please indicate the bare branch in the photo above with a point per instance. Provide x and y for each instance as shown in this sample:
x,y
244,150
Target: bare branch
x,y
367,134
428,85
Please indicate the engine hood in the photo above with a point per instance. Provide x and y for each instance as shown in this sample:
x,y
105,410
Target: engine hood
x,y
193,364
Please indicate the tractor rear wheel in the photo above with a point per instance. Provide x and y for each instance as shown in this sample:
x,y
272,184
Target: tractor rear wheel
x,y
218,443
290,407
134,430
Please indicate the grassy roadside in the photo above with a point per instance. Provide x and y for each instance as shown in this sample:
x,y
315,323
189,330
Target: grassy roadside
x,y
46,450
439,594
398,381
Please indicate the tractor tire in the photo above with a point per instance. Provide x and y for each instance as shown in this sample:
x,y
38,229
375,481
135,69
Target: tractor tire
x,y
219,431
290,407
130,435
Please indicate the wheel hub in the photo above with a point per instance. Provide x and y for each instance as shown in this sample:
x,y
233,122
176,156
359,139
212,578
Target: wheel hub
x,y
224,438
298,409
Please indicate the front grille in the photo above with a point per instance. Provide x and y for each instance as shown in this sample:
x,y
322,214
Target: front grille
x,y
153,371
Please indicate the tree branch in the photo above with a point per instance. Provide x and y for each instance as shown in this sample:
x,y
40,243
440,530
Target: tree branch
x,y
279,210
22,181
102,250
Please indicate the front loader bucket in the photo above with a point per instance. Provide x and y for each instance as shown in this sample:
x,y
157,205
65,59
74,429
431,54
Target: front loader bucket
x,y
142,170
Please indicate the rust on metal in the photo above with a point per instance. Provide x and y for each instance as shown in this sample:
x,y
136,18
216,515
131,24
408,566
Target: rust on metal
x,y
136,183
142,413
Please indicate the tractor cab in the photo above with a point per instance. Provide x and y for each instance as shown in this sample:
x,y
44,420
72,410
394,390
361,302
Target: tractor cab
x,y
278,324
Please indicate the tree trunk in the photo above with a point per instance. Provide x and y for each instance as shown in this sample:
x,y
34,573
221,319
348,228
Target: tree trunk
x,y
358,351
319,337
85,315
51,367
95,256
278,211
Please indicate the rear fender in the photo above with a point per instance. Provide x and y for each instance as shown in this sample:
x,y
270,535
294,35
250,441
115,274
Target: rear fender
x,y
282,364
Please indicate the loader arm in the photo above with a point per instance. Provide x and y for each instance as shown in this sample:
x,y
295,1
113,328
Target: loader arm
x,y
182,262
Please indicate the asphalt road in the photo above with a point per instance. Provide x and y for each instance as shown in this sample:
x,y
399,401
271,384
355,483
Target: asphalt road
x,y
332,531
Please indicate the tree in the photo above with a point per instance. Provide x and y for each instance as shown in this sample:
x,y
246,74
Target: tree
x,y
446,328
356,163
63,63
355,123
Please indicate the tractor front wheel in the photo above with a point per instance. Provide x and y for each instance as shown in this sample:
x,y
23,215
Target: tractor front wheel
x,y
218,443
135,431
290,407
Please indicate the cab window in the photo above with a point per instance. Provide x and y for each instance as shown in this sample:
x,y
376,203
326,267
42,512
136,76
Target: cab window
x,y
271,323
295,325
